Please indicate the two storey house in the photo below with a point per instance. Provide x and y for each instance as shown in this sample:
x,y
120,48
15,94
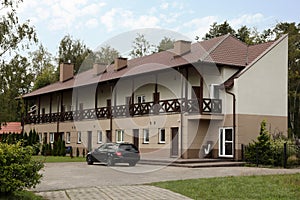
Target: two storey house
x,y
194,101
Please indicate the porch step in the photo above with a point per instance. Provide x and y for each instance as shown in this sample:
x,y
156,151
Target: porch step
x,y
193,163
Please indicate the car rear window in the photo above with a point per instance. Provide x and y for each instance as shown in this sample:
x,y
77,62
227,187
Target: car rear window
x,y
128,147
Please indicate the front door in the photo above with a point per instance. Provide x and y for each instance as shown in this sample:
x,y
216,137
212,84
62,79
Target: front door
x,y
226,142
108,136
136,137
89,141
174,142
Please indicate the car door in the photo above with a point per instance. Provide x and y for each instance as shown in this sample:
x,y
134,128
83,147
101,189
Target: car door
x,y
99,152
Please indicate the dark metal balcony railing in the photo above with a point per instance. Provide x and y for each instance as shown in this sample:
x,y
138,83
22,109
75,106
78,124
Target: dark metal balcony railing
x,y
204,106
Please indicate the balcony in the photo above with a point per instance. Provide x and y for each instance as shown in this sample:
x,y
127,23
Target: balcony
x,y
191,106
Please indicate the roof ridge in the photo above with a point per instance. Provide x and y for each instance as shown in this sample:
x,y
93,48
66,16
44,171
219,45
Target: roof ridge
x,y
214,47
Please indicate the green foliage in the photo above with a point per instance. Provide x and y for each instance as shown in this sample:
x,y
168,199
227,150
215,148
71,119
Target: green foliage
x,y
261,150
18,171
75,51
141,47
217,30
165,44
106,55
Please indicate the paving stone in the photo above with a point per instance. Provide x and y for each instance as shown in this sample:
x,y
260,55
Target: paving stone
x,y
53,195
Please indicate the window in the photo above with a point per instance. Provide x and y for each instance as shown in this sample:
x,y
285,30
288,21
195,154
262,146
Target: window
x,y
119,136
141,99
99,134
162,136
78,137
40,137
146,136
51,138
214,91
68,139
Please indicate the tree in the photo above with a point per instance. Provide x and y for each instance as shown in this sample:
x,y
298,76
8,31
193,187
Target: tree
x,y
293,72
74,51
244,34
14,76
165,44
141,47
106,55
14,35
218,30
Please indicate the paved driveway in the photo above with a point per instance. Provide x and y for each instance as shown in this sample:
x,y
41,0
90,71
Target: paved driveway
x,y
80,181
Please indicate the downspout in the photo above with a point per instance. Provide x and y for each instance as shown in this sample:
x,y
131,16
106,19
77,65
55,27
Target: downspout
x,y
233,118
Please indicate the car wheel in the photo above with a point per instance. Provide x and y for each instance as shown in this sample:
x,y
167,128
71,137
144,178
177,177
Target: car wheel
x,y
89,160
132,163
110,161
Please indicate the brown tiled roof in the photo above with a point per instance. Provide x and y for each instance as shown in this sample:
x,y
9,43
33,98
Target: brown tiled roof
x,y
225,50
11,127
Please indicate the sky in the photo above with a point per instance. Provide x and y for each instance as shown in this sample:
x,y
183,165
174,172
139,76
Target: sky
x,y
99,22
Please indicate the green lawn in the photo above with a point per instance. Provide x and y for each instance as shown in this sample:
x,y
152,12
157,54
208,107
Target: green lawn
x,y
243,187
48,159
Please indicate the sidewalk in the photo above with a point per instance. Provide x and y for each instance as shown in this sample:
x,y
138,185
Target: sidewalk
x,y
136,192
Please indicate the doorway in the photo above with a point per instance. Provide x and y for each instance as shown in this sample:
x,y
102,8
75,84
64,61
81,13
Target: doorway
x,y
174,142
108,136
136,137
89,145
226,142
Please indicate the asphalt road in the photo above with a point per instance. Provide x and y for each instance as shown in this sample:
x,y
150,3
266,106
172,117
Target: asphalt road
x,y
62,176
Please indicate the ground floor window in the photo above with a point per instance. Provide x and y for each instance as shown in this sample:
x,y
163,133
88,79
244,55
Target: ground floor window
x,y
79,137
68,139
51,137
146,136
226,141
99,139
162,136
45,138
119,136
40,137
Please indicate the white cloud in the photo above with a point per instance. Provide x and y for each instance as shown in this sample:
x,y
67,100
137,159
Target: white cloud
x,y
164,5
118,17
199,26
247,19
91,23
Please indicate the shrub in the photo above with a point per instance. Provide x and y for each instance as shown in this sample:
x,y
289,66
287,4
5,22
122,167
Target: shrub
x,y
18,171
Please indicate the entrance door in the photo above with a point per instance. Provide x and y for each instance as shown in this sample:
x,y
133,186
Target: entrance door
x,y
136,137
226,142
89,141
174,142
108,136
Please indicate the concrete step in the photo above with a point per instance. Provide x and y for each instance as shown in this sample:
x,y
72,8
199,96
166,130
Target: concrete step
x,y
192,163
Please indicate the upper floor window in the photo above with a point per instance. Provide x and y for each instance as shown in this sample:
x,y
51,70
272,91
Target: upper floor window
x,y
141,99
214,91
162,136
119,136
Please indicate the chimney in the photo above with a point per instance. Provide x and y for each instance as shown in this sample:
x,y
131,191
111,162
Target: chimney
x,y
66,71
120,63
99,68
182,47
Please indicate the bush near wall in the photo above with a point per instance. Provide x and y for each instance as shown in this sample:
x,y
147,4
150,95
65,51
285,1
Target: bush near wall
x,y
18,171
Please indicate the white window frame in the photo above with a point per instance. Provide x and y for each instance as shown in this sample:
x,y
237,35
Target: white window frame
x,y
214,91
141,99
160,141
68,137
119,136
99,136
51,138
223,142
146,136
79,139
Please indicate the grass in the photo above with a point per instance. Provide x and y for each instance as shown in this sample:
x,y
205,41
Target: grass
x,y
243,187
21,195
51,159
